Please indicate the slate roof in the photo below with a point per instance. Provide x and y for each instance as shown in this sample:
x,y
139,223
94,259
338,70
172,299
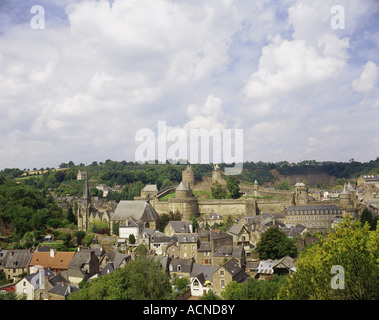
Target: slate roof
x,y
18,260
206,270
232,266
182,187
204,247
181,226
150,188
140,210
188,238
229,251
186,264
308,209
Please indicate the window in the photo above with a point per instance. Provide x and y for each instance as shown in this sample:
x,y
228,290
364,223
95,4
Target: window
x,y
196,283
184,239
222,284
170,267
179,268
221,272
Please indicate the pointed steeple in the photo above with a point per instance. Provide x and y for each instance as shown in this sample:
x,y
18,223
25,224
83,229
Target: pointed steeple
x,y
86,193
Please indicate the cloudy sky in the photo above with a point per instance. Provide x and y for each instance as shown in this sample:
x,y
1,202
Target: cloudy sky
x,y
79,79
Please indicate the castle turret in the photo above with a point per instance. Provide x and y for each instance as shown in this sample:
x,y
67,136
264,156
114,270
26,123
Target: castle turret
x,y
345,198
301,194
188,177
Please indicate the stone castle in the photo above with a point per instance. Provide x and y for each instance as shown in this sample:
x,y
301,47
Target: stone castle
x,y
256,199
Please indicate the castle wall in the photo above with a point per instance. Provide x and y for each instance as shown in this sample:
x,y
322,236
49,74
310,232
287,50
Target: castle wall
x,y
223,207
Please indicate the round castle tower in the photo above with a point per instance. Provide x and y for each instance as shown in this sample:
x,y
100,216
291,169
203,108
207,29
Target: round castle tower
x,y
188,177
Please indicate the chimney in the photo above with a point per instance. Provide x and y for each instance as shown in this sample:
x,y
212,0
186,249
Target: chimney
x,y
190,228
52,253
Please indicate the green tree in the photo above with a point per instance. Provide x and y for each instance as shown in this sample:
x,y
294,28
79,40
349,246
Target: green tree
x,y
274,244
283,185
195,224
232,182
367,216
352,247
132,239
218,192
140,279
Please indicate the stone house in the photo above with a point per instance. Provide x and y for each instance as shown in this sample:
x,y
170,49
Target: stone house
x,y
241,235
226,252
117,259
172,251
216,238
60,291
35,286
178,227
180,268
159,242
15,263
204,253
83,265
188,243
228,272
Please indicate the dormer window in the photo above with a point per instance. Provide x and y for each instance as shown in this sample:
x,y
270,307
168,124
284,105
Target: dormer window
x,y
179,268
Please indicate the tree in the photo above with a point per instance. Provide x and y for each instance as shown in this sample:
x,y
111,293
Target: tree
x,y
140,279
218,192
274,244
195,224
367,216
342,265
283,185
132,239
232,182
79,236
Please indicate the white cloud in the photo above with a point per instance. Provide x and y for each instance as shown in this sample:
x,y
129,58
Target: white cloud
x,y
83,86
368,79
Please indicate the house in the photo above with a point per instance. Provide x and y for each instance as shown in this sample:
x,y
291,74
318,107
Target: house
x,y
204,253
61,291
216,238
172,251
241,236
226,252
212,219
117,259
139,210
159,242
83,265
15,263
267,268
201,279
32,282
131,227
188,243
295,231
228,272
180,268
178,227
56,261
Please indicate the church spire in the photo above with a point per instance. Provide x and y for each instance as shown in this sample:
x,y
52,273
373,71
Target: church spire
x,y
86,193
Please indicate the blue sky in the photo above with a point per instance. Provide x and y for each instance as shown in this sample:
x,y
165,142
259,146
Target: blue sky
x,y
100,71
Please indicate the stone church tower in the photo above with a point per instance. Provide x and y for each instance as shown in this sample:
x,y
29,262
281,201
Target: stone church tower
x,y
84,207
